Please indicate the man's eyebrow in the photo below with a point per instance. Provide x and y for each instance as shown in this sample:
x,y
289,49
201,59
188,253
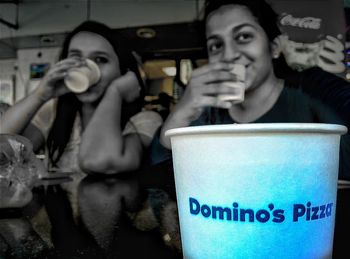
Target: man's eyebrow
x,y
235,29
212,37
74,50
239,27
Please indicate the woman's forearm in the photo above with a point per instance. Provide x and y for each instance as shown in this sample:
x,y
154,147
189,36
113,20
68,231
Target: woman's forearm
x,y
103,134
17,117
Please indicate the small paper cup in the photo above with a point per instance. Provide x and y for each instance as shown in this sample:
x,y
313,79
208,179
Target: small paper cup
x,y
237,98
76,81
79,79
239,71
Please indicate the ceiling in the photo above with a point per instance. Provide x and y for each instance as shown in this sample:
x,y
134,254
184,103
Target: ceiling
x,y
165,43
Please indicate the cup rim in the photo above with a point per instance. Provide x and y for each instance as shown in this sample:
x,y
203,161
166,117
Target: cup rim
x,y
291,127
95,73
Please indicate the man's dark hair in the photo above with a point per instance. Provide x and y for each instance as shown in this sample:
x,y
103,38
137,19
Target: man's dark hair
x,y
264,13
266,17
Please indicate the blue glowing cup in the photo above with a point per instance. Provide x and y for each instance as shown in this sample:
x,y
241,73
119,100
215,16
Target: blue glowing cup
x,y
257,190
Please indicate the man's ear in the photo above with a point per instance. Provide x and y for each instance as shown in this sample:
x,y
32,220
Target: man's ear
x,y
276,47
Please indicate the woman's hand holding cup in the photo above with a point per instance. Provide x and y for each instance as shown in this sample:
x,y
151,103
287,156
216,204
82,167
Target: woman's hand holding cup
x,y
52,85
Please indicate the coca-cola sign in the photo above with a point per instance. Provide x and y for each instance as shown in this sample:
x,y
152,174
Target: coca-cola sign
x,y
301,22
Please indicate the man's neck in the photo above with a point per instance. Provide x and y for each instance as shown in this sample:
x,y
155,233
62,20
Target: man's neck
x,y
257,102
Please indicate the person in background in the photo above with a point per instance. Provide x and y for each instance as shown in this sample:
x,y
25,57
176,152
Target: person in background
x,y
244,32
164,104
102,131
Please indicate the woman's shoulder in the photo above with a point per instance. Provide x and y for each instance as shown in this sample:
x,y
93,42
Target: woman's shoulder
x,y
145,123
147,116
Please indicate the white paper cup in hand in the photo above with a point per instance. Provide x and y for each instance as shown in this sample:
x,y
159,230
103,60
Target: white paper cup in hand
x,y
238,97
79,79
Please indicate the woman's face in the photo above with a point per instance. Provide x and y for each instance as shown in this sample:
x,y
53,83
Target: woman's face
x,y
95,47
234,36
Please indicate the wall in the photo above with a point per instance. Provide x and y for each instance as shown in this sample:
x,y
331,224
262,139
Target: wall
x,y
24,84
7,73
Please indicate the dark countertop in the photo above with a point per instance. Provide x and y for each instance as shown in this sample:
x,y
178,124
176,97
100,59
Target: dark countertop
x,y
46,228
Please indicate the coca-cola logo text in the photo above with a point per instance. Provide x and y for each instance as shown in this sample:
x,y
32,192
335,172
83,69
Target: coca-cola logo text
x,y
304,22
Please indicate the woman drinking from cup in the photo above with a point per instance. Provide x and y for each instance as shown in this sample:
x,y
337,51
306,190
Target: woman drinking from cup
x,y
99,129
89,129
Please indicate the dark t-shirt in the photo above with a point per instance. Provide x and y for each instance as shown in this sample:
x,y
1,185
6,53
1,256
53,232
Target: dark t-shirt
x,y
293,105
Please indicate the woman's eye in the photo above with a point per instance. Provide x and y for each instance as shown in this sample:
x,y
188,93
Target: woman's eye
x,y
73,55
101,60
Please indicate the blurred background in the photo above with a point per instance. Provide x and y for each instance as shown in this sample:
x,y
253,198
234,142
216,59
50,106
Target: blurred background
x,y
164,34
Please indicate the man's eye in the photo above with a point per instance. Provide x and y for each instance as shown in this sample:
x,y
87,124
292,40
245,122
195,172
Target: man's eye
x,y
101,60
214,47
244,37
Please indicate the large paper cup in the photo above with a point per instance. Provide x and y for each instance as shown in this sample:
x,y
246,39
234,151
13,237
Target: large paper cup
x,y
257,190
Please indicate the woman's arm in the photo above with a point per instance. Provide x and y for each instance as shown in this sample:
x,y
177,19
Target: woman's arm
x,y
16,119
103,148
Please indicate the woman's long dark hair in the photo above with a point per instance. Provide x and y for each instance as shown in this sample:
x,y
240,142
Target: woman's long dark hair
x,y
68,105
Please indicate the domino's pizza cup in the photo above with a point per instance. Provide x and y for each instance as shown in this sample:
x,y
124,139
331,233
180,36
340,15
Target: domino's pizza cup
x,y
239,85
257,190
79,79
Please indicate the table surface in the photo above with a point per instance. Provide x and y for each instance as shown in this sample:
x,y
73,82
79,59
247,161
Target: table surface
x,y
21,236
342,225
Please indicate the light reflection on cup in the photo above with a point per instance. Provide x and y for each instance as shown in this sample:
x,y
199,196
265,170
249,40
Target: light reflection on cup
x,y
79,79
252,190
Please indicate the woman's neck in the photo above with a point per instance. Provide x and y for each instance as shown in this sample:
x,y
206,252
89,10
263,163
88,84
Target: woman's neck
x,y
258,101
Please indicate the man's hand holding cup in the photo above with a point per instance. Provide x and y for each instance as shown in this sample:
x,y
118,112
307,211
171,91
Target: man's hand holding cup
x,y
239,71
